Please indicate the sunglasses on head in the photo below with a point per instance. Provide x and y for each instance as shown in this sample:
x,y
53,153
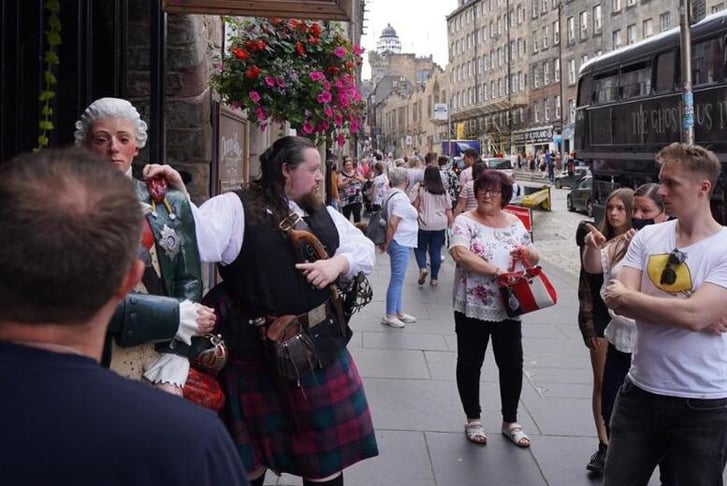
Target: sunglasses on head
x,y
669,274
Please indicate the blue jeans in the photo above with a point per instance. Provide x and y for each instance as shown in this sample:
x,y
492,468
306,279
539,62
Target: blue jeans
x,y
646,427
399,258
434,241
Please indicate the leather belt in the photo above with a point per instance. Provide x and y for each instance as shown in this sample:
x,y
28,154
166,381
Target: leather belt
x,y
317,315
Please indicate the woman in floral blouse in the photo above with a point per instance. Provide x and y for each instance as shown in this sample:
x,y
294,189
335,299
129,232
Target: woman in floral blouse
x,y
484,244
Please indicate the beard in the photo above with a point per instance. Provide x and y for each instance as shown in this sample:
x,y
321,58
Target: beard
x,y
311,202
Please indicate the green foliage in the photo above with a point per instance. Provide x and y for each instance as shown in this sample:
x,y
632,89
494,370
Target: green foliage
x,y
53,40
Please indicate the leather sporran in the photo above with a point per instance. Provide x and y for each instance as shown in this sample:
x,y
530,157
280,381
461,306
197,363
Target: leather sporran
x,y
292,350
297,350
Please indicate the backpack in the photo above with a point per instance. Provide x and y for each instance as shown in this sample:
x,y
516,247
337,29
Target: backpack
x,y
376,230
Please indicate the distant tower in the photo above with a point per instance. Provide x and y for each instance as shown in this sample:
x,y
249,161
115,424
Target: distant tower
x,y
389,41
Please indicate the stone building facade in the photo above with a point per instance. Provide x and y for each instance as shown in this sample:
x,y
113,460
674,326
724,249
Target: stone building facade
x,y
488,70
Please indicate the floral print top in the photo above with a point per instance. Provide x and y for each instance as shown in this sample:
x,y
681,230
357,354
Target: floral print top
x,y
477,295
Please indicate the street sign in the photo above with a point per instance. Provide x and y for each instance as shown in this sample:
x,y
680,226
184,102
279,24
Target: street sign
x,y
441,111
524,214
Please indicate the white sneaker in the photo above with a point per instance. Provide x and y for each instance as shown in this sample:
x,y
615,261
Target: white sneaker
x,y
392,321
407,318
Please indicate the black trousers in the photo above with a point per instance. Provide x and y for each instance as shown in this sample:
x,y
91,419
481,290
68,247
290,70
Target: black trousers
x,y
354,209
473,336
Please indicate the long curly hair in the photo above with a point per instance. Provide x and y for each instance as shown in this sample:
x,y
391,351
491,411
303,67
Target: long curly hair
x,y
266,195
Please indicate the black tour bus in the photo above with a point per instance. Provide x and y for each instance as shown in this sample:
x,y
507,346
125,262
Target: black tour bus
x,y
629,106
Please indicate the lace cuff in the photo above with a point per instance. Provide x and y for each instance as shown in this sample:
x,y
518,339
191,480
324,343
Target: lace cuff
x,y
187,321
168,368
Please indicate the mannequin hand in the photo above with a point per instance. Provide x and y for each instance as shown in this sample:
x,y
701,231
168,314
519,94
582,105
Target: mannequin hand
x,y
205,320
174,179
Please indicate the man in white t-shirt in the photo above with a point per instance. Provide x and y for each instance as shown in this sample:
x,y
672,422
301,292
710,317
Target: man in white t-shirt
x,y
470,156
674,284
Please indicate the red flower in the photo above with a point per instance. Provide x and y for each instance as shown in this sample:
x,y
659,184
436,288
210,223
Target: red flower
x,y
239,53
255,45
315,29
275,21
349,65
299,49
252,72
314,40
333,70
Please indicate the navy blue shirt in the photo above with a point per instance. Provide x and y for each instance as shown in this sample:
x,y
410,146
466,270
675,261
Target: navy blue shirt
x,y
65,420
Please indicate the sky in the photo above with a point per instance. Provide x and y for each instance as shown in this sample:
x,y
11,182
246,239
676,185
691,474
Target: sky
x,y
421,26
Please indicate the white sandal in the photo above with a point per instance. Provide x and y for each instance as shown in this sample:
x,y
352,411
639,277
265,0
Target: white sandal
x,y
475,433
514,432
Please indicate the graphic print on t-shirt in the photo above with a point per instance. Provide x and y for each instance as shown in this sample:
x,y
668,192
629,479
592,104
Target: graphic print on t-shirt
x,y
655,268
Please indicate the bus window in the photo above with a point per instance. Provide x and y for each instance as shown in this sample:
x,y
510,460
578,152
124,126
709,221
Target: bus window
x,y
607,87
585,90
665,72
636,80
707,62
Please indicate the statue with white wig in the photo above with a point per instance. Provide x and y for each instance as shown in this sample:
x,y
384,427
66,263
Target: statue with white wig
x,y
152,329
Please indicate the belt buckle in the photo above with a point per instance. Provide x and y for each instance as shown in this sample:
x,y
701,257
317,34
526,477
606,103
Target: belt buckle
x,y
317,315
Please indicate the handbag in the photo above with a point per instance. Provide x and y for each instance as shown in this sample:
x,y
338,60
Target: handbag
x,y
207,356
376,229
527,290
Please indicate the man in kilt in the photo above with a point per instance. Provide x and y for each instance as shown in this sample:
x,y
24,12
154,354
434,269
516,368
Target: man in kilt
x,y
318,424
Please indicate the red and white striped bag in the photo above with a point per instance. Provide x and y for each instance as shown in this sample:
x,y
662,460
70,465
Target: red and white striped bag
x,y
527,290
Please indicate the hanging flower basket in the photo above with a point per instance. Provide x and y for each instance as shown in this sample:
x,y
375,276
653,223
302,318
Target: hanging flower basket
x,y
292,71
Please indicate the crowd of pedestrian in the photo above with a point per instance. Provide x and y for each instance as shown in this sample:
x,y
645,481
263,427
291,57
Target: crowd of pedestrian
x,y
654,273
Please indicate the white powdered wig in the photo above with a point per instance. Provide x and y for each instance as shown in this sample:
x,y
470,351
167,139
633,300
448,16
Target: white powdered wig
x,y
110,108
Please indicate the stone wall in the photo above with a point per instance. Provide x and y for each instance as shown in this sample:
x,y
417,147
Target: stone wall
x,y
192,43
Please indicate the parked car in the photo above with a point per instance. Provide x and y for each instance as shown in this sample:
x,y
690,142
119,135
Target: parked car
x,y
580,197
565,180
499,163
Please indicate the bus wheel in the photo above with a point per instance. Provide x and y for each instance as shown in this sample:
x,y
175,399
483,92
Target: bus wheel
x,y
589,208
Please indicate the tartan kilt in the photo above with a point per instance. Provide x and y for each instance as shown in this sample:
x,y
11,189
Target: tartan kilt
x,y
312,431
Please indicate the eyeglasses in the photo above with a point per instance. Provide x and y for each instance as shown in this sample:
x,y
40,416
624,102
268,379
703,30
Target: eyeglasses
x,y
490,192
669,274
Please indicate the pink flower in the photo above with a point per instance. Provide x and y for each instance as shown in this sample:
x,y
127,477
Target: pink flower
x,y
338,120
270,81
355,126
328,111
341,140
308,128
317,76
358,50
254,96
260,113
324,97
339,51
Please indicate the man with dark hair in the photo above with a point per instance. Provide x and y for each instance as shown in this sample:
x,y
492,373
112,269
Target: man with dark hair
x,y
672,406
318,423
470,156
71,226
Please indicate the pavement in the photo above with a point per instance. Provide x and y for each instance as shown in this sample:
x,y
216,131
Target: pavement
x,y
409,378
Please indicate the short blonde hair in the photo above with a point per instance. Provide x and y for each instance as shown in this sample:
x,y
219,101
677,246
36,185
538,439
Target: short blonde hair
x,y
692,158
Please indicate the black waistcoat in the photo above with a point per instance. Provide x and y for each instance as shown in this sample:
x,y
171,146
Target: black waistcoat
x,y
264,277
